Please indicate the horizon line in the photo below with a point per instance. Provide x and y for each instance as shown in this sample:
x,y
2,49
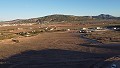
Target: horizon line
x,y
54,14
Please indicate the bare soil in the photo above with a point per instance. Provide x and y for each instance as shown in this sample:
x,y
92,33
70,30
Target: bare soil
x,y
53,49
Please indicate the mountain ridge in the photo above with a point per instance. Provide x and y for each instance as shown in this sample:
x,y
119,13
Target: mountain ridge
x,y
64,18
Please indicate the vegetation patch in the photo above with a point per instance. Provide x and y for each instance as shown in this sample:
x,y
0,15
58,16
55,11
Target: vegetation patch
x,y
6,36
105,36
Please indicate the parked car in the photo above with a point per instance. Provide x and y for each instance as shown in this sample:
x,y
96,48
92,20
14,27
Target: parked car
x,y
85,31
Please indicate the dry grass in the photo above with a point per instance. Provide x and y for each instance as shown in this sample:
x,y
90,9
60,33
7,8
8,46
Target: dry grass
x,y
56,40
64,40
105,36
39,42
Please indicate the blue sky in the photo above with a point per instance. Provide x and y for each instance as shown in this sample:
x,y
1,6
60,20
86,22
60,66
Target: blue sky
x,y
20,9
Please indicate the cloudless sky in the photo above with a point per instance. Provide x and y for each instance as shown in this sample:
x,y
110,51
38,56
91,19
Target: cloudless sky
x,y
20,9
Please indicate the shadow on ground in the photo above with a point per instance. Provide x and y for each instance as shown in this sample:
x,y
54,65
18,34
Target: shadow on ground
x,y
53,58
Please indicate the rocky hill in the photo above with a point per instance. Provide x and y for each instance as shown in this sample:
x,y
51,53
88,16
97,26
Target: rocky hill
x,y
65,18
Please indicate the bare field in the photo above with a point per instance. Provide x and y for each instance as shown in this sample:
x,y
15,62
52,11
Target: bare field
x,y
51,46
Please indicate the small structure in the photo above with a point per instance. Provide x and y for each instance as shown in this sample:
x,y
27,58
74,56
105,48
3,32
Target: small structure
x,y
68,29
116,27
52,29
98,28
84,28
27,35
85,31
46,28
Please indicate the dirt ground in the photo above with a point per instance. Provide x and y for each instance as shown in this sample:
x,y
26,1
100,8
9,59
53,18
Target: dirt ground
x,y
56,47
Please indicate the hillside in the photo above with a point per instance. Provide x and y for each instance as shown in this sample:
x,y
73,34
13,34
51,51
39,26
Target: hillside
x,y
65,18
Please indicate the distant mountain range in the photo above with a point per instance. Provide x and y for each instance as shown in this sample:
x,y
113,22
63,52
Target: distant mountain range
x,y
64,18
